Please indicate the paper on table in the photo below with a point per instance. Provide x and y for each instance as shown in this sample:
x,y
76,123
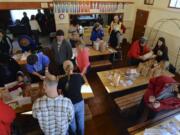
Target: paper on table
x,y
177,117
86,89
10,85
74,53
24,100
110,50
35,85
155,131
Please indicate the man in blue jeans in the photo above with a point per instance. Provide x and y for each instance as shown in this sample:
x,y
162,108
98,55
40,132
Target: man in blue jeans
x,y
70,87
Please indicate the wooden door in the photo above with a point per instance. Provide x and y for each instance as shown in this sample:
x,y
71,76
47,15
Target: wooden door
x,y
141,21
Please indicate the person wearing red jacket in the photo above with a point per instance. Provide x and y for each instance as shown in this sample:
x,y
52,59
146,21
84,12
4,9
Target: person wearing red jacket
x,y
137,50
163,93
7,116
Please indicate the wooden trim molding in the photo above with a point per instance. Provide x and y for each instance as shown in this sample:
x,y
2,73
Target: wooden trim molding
x,y
22,5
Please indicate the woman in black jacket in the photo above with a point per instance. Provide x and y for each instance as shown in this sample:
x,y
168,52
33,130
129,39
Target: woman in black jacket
x,y
161,50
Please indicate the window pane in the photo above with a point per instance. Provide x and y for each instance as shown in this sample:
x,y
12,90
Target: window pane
x,y
18,14
178,4
173,3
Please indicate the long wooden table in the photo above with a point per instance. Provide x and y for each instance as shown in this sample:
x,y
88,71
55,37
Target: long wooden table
x,y
92,53
139,81
86,91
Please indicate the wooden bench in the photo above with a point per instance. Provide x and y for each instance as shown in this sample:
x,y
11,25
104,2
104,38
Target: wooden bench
x,y
147,124
129,100
101,63
88,114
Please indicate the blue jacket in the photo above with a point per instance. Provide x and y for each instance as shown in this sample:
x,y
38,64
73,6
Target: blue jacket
x,y
96,34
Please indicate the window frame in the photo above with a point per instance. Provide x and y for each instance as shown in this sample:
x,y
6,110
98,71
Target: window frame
x,y
172,7
146,3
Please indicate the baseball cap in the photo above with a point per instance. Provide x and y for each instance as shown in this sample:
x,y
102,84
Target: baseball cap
x,y
143,39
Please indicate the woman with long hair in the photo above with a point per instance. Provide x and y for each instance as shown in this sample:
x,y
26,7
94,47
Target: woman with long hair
x,y
70,87
161,50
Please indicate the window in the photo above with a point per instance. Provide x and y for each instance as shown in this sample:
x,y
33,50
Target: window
x,y
18,14
148,2
174,3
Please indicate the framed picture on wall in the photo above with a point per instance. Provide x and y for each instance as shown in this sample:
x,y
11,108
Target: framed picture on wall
x,y
149,2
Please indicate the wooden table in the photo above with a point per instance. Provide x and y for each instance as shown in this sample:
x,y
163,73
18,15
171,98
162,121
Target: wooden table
x,y
101,59
139,129
108,51
139,81
85,90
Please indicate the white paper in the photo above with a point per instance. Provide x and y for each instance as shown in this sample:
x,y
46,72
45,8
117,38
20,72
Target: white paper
x,y
34,85
155,131
86,89
10,85
24,101
177,117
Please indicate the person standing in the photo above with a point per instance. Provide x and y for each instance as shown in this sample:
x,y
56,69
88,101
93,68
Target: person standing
x,y
62,50
40,17
70,87
35,28
82,58
54,112
25,21
6,46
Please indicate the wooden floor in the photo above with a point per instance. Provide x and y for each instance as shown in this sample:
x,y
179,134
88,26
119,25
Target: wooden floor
x,y
106,119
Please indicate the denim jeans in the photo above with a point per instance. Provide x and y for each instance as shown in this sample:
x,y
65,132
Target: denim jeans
x,y
77,125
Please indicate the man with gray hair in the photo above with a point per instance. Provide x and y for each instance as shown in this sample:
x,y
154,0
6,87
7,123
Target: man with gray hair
x,y
54,112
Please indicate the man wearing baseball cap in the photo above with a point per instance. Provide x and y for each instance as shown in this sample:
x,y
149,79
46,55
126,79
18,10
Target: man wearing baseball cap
x,y
137,50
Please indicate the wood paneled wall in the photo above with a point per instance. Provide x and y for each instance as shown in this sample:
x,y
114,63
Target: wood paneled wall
x,y
21,5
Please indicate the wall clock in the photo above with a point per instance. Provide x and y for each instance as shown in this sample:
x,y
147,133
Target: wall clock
x,y
61,16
